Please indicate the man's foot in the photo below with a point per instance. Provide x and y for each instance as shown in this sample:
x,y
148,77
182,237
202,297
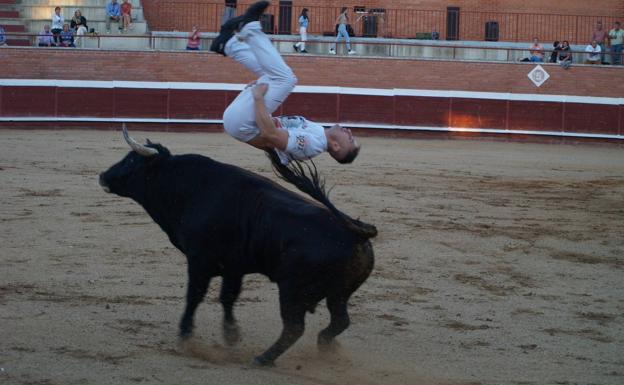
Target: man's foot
x,y
225,34
332,51
304,51
253,13
295,47
351,52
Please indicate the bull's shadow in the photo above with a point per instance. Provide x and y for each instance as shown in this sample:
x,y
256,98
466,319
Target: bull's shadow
x,y
230,222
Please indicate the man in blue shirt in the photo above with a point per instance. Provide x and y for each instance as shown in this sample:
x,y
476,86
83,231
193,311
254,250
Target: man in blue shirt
x,y
113,12
2,37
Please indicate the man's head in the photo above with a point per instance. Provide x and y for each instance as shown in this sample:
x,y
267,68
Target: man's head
x,y
535,40
594,43
599,25
617,25
57,10
46,28
66,27
341,144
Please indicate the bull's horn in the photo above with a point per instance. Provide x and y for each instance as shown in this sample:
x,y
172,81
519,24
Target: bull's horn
x,y
136,147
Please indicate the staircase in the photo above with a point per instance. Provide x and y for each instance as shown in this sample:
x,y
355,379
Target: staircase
x,y
31,15
11,22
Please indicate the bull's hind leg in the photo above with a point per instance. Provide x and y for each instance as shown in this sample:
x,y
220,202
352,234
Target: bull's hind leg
x,y
293,318
339,321
230,289
199,278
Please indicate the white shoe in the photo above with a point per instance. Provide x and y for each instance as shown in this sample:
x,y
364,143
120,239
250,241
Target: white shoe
x,y
351,52
332,52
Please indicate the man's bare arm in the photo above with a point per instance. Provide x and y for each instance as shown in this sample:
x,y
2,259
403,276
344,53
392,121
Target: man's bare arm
x,y
270,135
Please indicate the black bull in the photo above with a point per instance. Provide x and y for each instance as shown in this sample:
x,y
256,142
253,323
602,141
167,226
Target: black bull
x,y
230,222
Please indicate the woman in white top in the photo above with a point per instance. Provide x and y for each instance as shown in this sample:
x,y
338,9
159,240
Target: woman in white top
x,y
303,31
57,23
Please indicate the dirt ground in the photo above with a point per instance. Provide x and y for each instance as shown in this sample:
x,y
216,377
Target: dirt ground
x,y
496,263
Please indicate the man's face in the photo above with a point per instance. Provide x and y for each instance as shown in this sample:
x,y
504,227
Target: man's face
x,y
616,26
345,139
599,26
594,43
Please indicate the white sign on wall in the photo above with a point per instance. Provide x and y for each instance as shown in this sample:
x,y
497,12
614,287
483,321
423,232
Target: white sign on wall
x,y
538,76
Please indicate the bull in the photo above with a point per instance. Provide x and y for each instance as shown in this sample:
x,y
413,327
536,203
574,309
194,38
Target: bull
x,y
230,222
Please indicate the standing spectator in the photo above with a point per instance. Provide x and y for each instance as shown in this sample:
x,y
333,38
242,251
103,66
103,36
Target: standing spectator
x,y
601,36
67,36
46,39
57,24
2,37
537,51
342,21
78,20
555,52
565,56
616,36
303,31
593,53
193,40
113,13
126,15
228,12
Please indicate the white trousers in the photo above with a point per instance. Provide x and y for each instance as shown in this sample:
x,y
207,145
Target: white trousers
x,y
253,49
303,31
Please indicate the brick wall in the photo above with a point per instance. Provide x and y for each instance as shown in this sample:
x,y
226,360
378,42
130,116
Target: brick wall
x,y
29,63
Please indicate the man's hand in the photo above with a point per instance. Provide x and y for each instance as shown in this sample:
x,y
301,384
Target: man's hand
x,y
259,90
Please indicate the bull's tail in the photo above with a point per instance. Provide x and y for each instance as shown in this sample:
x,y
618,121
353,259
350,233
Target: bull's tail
x,y
305,176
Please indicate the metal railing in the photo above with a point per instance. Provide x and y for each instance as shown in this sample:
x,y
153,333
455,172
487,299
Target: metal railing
x,y
365,47
386,22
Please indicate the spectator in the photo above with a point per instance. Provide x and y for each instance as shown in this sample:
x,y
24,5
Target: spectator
x,y
565,56
67,36
78,20
303,31
537,51
616,36
555,52
601,36
342,20
193,40
593,53
113,13
46,38
126,15
57,24
2,37
228,12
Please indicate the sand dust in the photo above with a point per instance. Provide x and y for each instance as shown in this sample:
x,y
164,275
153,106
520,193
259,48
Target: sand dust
x,y
497,263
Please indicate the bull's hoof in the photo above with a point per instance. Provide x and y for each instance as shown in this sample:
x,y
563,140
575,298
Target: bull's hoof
x,y
185,334
231,333
263,362
326,345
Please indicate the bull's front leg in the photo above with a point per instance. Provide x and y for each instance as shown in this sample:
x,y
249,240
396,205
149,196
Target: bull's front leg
x,y
199,278
230,289
293,317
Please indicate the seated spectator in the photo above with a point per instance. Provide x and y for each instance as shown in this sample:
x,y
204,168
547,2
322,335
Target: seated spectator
x,y
67,36
555,52
46,38
2,37
193,40
126,15
593,53
78,20
57,24
113,13
565,56
537,51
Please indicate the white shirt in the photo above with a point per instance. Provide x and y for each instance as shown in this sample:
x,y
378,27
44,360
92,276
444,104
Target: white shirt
x,y
593,54
306,139
57,21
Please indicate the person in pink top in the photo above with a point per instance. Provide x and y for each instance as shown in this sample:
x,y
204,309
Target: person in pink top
x,y
126,15
537,51
193,40
601,36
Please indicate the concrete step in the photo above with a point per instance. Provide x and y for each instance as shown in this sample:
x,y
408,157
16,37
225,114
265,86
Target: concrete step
x,y
13,28
75,3
90,12
18,42
9,14
7,1
36,26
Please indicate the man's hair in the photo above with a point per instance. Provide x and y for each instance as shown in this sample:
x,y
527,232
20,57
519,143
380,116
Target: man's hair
x,y
351,155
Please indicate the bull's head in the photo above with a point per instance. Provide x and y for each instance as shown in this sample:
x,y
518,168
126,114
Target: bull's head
x,y
127,177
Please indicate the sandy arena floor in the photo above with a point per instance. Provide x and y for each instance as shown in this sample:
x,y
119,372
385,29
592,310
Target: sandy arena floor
x,y
497,263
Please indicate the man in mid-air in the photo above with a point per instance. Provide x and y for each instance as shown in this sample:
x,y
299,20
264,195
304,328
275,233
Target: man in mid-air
x,y
248,118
